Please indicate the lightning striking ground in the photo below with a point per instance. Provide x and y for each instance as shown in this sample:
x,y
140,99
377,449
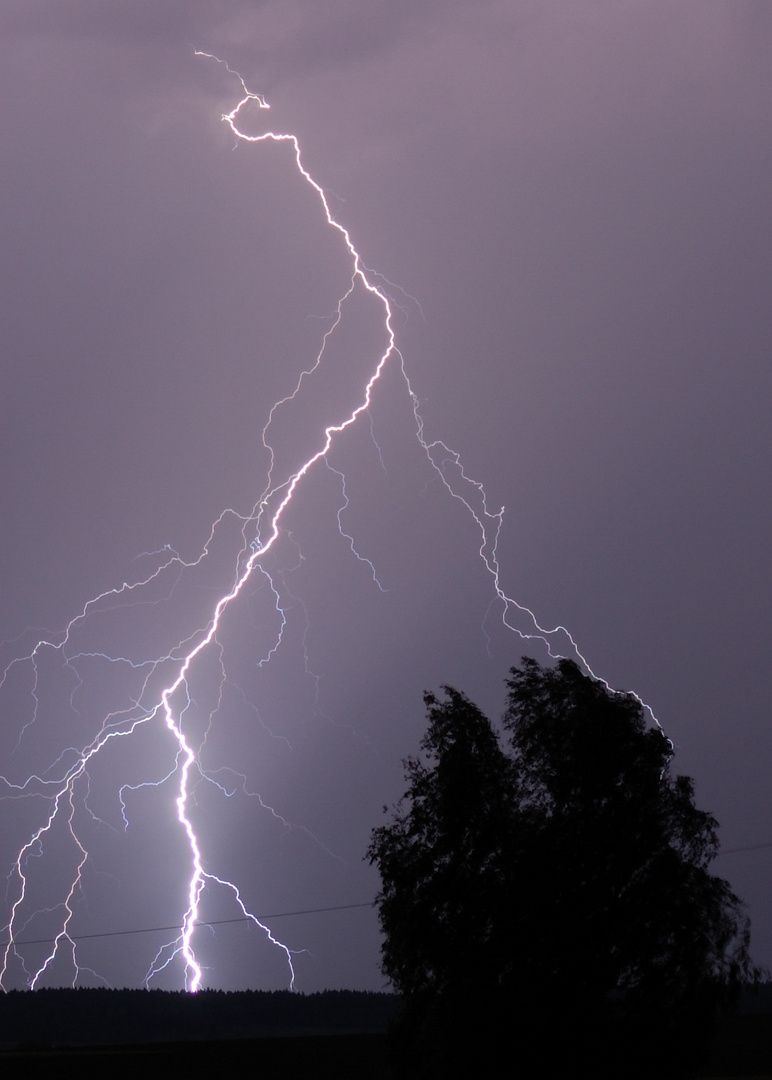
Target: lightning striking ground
x,y
163,696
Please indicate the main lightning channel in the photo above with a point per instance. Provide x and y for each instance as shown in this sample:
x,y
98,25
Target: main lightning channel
x,y
445,461
260,530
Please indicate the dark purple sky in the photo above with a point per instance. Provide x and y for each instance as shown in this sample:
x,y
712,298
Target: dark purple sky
x,y
575,199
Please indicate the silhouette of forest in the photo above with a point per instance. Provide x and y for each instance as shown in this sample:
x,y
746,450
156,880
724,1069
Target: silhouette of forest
x,y
336,1034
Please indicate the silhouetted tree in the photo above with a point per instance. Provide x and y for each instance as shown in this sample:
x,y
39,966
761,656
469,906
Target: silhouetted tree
x,y
554,898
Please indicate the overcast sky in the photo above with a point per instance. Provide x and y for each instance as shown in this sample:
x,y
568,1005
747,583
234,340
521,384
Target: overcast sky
x,y
570,207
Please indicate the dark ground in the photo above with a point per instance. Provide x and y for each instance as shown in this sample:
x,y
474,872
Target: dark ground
x,y
741,1049
344,1057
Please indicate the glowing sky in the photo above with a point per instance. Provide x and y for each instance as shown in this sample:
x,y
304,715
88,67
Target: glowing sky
x,y
575,200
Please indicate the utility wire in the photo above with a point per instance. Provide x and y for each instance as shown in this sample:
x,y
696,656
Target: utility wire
x,y
279,914
750,847
208,922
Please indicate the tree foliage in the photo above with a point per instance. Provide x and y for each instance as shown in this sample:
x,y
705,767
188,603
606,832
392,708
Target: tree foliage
x,y
557,877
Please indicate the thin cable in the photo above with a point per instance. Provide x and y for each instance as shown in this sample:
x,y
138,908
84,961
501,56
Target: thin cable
x,y
209,922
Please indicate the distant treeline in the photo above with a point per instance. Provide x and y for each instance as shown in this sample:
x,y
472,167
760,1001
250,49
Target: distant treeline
x,y
63,1017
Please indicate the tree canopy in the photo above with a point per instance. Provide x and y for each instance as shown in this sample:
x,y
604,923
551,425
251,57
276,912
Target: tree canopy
x,y
555,878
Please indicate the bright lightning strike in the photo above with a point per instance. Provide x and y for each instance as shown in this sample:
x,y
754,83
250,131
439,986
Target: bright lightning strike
x,y
163,696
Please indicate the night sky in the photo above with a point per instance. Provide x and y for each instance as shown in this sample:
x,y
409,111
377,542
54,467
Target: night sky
x,y
570,207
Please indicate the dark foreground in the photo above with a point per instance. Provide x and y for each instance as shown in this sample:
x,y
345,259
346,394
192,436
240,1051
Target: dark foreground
x,y
345,1057
743,1048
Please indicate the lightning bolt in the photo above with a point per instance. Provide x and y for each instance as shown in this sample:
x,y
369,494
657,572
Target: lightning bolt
x,y
445,461
163,696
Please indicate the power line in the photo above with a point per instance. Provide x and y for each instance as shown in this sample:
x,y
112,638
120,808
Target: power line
x,y
750,847
276,915
208,922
